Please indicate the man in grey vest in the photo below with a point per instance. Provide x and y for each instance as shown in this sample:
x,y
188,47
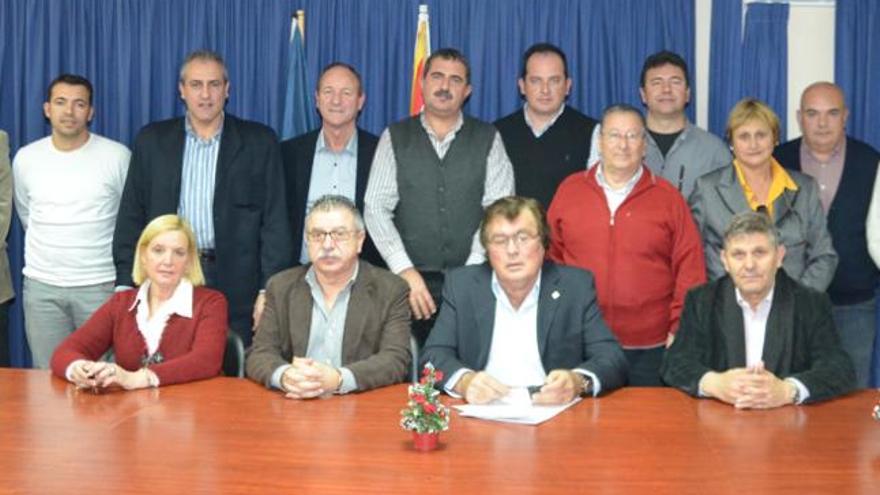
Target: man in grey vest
x,y
431,178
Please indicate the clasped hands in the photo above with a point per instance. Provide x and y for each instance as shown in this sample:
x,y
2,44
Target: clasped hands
x,y
748,388
560,387
101,375
307,378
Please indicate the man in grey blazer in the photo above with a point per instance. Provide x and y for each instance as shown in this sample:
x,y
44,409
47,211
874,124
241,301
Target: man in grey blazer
x,y
522,322
756,338
335,325
5,217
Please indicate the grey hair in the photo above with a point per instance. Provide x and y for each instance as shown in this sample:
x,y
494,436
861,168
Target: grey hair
x,y
330,202
203,55
622,108
751,222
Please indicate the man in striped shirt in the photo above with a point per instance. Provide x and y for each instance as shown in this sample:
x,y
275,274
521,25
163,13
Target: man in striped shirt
x,y
223,175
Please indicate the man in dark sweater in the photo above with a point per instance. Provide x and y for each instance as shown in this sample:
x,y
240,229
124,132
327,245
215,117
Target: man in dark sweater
x,y
546,139
845,170
432,175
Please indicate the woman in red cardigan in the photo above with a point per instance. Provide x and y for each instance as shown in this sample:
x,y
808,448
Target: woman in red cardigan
x,y
169,330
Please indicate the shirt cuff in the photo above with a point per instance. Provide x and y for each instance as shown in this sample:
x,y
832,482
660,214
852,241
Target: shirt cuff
x,y
803,391
449,387
475,258
349,383
398,262
68,373
275,381
597,384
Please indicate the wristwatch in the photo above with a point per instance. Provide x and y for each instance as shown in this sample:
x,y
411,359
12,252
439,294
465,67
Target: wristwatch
x,y
585,384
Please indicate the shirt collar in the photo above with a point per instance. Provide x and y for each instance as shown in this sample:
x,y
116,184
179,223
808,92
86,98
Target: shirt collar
x,y
630,184
187,125
181,302
530,299
312,280
539,132
835,153
766,302
349,149
457,127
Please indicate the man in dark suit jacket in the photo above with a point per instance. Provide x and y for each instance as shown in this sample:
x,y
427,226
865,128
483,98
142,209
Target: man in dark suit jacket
x,y
223,175
845,169
298,347
521,322
334,159
756,338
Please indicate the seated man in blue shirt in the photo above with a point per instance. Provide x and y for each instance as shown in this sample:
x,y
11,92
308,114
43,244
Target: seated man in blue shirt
x,y
755,338
519,321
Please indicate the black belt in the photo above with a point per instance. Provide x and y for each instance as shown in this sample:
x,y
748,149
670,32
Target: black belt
x,y
207,254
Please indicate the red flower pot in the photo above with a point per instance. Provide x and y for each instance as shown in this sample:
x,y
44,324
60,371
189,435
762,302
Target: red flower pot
x,y
425,441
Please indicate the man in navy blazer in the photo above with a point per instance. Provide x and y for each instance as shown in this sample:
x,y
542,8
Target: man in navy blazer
x,y
756,338
223,175
334,159
522,322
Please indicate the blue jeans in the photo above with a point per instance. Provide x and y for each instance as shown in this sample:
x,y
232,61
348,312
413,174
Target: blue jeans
x,y
52,313
856,326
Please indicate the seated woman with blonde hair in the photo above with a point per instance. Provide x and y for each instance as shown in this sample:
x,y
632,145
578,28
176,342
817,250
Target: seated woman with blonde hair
x,y
169,330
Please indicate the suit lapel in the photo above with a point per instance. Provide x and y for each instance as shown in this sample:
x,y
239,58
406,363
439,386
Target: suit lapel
x,y
730,319
484,302
359,305
173,145
230,144
780,323
300,316
304,163
364,161
783,204
549,295
731,192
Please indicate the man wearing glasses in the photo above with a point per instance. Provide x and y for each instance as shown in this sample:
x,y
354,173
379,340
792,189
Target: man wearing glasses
x,y
521,322
634,231
336,325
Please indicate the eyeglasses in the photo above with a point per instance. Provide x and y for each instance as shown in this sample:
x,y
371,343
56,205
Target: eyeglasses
x,y
614,137
318,236
519,239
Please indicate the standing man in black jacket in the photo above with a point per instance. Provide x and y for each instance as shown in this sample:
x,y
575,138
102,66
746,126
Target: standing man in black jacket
x,y
334,159
223,175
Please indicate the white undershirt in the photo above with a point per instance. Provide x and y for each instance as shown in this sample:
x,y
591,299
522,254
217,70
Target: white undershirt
x,y
153,326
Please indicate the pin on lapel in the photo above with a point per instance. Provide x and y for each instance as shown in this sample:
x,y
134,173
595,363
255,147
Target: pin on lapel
x,y
555,294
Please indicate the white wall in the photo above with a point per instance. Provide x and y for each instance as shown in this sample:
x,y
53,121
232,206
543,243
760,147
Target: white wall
x,y
810,54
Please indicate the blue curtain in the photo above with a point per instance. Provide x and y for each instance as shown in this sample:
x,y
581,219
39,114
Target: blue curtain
x,y
765,57
747,59
725,62
857,65
857,70
131,49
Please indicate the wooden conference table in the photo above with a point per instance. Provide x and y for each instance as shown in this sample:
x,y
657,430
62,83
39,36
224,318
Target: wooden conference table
x,y
229,435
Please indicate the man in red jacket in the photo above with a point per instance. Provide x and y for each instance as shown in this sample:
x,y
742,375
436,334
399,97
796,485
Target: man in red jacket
x,y
634,231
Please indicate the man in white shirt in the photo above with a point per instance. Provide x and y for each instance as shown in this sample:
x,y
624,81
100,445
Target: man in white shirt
x,y
520,321
757,339
67,191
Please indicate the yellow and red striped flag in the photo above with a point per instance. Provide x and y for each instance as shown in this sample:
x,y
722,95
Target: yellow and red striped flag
x,y
420,55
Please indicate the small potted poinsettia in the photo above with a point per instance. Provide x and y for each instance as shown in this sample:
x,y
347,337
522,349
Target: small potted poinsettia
x,y
424,414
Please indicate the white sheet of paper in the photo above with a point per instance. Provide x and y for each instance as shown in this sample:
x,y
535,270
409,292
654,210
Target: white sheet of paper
x,y
515,407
